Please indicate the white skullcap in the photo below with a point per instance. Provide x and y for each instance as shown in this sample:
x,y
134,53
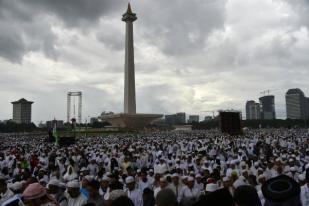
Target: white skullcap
x,y
54,182
151,170
113,195
190,179
260,177
238,183
129,179
184,177
175,175
83,169
293,169
89,178
105,178
73,184
138,170
163,179
211,187
302,177
225,179
198,176
16,186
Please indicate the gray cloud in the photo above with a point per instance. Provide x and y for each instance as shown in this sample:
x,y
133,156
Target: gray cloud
x,y
190,55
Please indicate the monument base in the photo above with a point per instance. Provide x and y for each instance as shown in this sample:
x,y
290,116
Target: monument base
x,y
131,121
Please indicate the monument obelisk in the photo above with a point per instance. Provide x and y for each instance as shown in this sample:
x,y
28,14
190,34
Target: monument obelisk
x,y
130,119
129,75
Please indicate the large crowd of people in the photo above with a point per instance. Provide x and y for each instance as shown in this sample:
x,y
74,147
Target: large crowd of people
x,y
261,167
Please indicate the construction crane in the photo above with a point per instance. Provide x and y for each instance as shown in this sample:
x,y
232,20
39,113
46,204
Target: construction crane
x,y
265,92
213,113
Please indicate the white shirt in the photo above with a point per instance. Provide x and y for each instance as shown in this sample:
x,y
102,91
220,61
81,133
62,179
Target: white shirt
x,y
186,192
142,185
304,195
78,201
7,195
136,196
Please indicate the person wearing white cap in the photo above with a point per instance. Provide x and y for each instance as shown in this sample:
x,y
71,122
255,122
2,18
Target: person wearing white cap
x,y
211,187
163,184
53,188
75,197
189,191
134,194
176,186
198,183
93,168
162,167
5,192
104,187
144,182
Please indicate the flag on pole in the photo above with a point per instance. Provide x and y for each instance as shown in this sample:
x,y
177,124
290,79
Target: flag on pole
x,y
55,135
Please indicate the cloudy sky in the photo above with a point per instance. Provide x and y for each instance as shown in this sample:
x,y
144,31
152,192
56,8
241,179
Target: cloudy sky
x,y
192,56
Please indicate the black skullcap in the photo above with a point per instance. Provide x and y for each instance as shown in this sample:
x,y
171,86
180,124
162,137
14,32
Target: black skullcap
x,y
280,189
246,195
166,197
221,197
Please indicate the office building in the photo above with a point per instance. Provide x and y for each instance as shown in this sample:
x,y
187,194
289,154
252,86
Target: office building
x,y
193,118
59,124
296,104
181,118
267,107
252,110
22,111
174,119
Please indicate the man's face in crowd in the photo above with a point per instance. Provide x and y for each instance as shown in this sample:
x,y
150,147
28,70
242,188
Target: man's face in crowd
x,y
3,187
52,189
104,184
175,180
73,192
131,185
190,184
163,184
144,176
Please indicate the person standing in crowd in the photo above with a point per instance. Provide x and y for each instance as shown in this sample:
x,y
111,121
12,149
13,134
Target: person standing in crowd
x,y
5,192
189,192
54,190
94,195
75,197
133,193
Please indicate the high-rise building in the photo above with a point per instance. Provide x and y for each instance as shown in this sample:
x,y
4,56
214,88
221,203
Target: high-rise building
x,y
296,103
253,110
268,107
307,107
193,118
181,118
174,119
22,111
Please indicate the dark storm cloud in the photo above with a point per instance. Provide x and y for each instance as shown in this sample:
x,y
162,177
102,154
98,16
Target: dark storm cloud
x,y
26,24
181,27
76,12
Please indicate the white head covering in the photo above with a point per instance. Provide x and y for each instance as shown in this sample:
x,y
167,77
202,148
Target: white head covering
x,y
129,179
211,187
73,184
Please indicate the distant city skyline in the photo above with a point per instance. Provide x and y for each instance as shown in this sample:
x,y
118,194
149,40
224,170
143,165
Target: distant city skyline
x,y
215,58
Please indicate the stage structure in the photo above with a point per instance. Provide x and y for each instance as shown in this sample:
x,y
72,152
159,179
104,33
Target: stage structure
x,y
71,106
230,121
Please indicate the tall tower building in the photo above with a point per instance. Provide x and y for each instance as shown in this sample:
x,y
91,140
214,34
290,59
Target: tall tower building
x,y
295,104
253,110
267,107
129,82
22,111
